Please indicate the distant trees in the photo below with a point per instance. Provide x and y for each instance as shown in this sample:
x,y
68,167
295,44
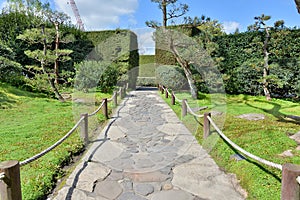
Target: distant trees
x,y
260,24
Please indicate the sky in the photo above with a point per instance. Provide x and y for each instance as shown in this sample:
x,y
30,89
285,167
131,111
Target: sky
x,y
132,14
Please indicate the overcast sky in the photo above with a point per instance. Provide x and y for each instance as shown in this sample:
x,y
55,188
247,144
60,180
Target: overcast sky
x,y
132,14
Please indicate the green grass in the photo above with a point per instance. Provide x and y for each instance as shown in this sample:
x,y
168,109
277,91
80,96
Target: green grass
x,y
31,123
265,138
147,66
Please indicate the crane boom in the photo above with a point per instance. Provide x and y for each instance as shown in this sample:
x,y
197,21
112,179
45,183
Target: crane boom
x,y
77,15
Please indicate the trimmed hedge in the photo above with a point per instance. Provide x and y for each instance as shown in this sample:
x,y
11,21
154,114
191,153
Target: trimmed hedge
x,y
240,61
119,47
242,68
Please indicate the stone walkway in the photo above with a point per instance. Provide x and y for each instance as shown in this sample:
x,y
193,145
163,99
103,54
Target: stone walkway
x,y
145,152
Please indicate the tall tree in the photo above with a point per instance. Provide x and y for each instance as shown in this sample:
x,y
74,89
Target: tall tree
x,y
173,12
167,37
57,19
260,24
46,56
183,50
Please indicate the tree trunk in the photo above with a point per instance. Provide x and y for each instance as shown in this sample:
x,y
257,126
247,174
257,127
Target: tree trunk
x,y
50,80
266,66
164,9
186,68
191,81
56,70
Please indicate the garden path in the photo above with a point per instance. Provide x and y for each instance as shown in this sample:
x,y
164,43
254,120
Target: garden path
x,y
145,152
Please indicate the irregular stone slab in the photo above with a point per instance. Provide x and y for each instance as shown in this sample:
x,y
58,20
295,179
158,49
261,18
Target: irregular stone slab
x,y
296,137
127,185
156,157
108,189
173,129
108,151
144,163
287,153
144,189
147,177
88,175
170,117
116,132
130,196
75,194
252,116
115,175
172,195
204,179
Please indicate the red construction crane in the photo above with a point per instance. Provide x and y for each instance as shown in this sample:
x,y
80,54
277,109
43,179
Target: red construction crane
x,y
77,15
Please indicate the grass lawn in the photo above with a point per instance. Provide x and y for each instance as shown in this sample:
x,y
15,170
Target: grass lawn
x,y
31,123
265,138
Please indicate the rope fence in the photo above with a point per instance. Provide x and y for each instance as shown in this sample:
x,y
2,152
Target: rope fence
x,y
235,146
10,184
37,156
290,182
186,108
97,110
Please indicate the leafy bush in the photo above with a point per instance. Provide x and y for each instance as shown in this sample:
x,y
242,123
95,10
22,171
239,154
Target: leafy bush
x,y
171,76
10,72
92,74
39,83
146,81
108,79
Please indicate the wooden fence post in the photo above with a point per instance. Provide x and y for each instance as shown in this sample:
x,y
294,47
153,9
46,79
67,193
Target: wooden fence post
x,y
206,126
85,128
105,108
121,95
167,94
10,185
115,98
122,92
173,98
183,108
125,89
162,90
290,189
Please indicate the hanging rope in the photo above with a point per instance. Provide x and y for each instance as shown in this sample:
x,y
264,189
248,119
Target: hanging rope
x,y
37,156
191,111
261,160
96,111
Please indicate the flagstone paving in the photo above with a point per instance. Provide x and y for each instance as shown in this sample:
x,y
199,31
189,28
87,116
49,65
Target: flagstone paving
x,y
146,153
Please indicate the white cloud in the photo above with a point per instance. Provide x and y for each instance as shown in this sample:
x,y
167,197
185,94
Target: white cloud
x,y
230,27
145,41
100,14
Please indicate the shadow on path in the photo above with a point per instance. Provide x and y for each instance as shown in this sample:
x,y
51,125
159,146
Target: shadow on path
x,y
74,184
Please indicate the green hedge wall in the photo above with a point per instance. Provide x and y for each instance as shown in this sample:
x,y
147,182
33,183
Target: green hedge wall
x,y
119,47
241,59
147,66
242,69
